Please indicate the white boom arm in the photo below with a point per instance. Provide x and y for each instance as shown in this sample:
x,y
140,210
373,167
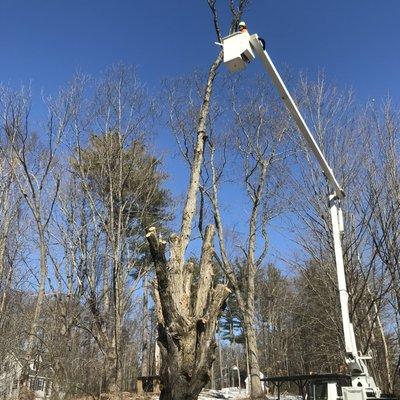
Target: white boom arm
x,y
294,111
238,51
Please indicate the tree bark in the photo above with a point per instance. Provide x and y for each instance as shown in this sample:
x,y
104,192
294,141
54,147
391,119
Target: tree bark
x,y
145,364
186,333
245,299
255,383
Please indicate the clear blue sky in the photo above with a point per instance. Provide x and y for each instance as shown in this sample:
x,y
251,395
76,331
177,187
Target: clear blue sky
x,y
356,42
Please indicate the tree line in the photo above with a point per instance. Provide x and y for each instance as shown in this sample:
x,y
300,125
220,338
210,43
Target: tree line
x,y
102,268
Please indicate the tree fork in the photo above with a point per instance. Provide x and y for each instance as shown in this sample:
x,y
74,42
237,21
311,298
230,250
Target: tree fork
x,y
186,332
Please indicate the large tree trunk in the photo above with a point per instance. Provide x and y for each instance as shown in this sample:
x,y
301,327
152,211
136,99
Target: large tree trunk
x,y
181,379
145,364
186,321
255,383
111,371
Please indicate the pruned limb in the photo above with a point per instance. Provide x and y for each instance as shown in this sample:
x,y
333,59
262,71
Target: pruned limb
x,y
157,247
167,300
220,294
206,345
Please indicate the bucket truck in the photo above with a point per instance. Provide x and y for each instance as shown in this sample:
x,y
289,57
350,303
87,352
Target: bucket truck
x,y
239,49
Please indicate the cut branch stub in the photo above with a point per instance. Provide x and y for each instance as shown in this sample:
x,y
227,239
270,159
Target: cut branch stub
x,y
186,332
157,247
167,301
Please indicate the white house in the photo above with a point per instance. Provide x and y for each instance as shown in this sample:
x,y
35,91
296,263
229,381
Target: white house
x,y
10,373
39,380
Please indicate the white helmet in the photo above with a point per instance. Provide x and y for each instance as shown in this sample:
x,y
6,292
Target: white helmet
x,y
242,23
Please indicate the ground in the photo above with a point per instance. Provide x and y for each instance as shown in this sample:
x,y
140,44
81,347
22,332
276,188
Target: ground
x,y
228,393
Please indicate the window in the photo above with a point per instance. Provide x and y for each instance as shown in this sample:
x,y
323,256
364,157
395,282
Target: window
x,y
318,391
321,392
39,384
32,383
36,383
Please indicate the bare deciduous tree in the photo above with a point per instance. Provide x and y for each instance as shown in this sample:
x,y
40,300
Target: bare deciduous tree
x,y
32,165
119,193
186,328
259,131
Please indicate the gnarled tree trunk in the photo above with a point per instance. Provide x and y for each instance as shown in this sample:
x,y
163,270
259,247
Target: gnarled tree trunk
x,y
186,329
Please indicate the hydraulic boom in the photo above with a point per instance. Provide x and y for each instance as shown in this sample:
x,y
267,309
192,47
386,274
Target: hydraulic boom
x,y
239,50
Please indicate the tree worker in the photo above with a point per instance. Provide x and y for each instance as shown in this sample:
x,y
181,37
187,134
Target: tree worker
x,y
243,29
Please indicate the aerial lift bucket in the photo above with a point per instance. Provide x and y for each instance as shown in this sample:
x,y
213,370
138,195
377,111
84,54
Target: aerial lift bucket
x,y
237,51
